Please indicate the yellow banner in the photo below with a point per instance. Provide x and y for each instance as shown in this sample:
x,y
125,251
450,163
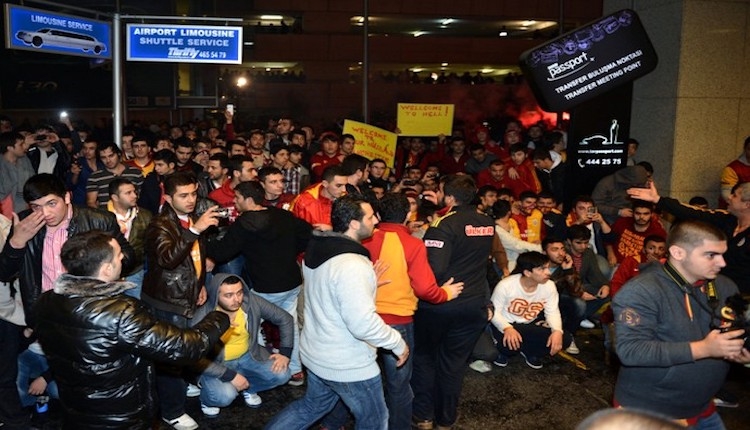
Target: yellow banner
x,y
418,119
372,142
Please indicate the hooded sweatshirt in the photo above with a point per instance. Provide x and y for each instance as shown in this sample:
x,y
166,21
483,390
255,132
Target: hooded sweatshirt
x,y
342,330
255,308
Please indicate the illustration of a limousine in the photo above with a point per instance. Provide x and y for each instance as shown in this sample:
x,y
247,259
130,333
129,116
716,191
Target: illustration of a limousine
x,y
61,38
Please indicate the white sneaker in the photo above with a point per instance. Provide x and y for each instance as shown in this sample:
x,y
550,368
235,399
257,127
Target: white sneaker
x,y
183,422
573,348
480,366
210,411
587,324
193,390
252,400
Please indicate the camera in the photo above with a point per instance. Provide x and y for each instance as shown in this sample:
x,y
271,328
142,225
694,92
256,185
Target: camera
x,y
223,212
591,211
734,316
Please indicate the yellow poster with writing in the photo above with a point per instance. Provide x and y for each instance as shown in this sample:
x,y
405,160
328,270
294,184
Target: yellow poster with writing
x,y
372,142
419,119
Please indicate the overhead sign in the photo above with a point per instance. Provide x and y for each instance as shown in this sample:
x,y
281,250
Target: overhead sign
x,y
372,142
589,61
184,43
42,31
418,119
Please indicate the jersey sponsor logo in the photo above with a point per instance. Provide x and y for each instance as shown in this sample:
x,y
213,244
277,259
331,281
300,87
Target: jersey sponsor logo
x,y
470,230
524,309
430,243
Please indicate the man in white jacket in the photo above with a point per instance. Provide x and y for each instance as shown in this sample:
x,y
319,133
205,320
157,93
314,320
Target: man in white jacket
x,y
342,330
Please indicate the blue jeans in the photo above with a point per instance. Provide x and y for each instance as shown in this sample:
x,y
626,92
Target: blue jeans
x,y
31,366
398,393
137,279
363,398
711,422
170,378
288,301
214,392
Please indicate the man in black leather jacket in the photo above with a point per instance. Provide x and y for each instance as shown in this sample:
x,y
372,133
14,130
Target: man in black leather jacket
x,y
174,283
31,254
100,343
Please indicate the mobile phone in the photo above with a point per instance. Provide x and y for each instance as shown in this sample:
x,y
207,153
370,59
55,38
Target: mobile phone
x,y
591,211
230,108
63,114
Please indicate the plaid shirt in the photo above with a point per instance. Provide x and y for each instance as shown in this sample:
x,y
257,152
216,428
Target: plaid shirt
x,y
292,180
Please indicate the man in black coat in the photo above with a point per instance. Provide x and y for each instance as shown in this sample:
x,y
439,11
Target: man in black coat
x,y
100,343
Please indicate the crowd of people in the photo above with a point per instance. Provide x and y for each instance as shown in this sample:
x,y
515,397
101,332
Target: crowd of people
x,y
228,263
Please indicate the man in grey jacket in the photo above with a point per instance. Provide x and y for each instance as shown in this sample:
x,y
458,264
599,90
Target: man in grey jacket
x,y
239,363
674,357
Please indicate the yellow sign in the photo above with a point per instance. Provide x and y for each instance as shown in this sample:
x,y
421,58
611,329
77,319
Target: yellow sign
x,y
416,119
372,142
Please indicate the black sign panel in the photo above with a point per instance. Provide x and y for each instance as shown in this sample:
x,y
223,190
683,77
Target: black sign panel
x,y
589,61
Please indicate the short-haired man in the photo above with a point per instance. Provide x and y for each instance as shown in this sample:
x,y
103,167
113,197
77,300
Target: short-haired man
x,y
521,300
97,187
521,173
82,167
355,166
529,218
101,344
494,175
133,222
15,170
734,222
184,149
340,287
630,232
141,155
217,172
241,169
347,144
595,284
272,181
257,152
480,159
328,155
458,246
454,161
377,174
296,176
174,283
314,204
236,147
151,196
569,288
553,219
551,172
269,239
586,214
31,254
238,363
673,310
411,279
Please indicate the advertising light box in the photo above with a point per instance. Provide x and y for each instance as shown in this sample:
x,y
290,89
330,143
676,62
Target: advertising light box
x,y
43,31
589,61
184,43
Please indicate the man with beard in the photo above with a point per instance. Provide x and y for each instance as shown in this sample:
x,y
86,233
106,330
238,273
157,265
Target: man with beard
x,y
340,287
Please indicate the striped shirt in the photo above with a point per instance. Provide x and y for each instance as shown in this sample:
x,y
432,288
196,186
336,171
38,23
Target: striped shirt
x,y
99,182
53,242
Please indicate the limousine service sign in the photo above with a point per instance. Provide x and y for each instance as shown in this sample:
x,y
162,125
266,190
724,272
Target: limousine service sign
x,y
589,61
44,31
184,43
